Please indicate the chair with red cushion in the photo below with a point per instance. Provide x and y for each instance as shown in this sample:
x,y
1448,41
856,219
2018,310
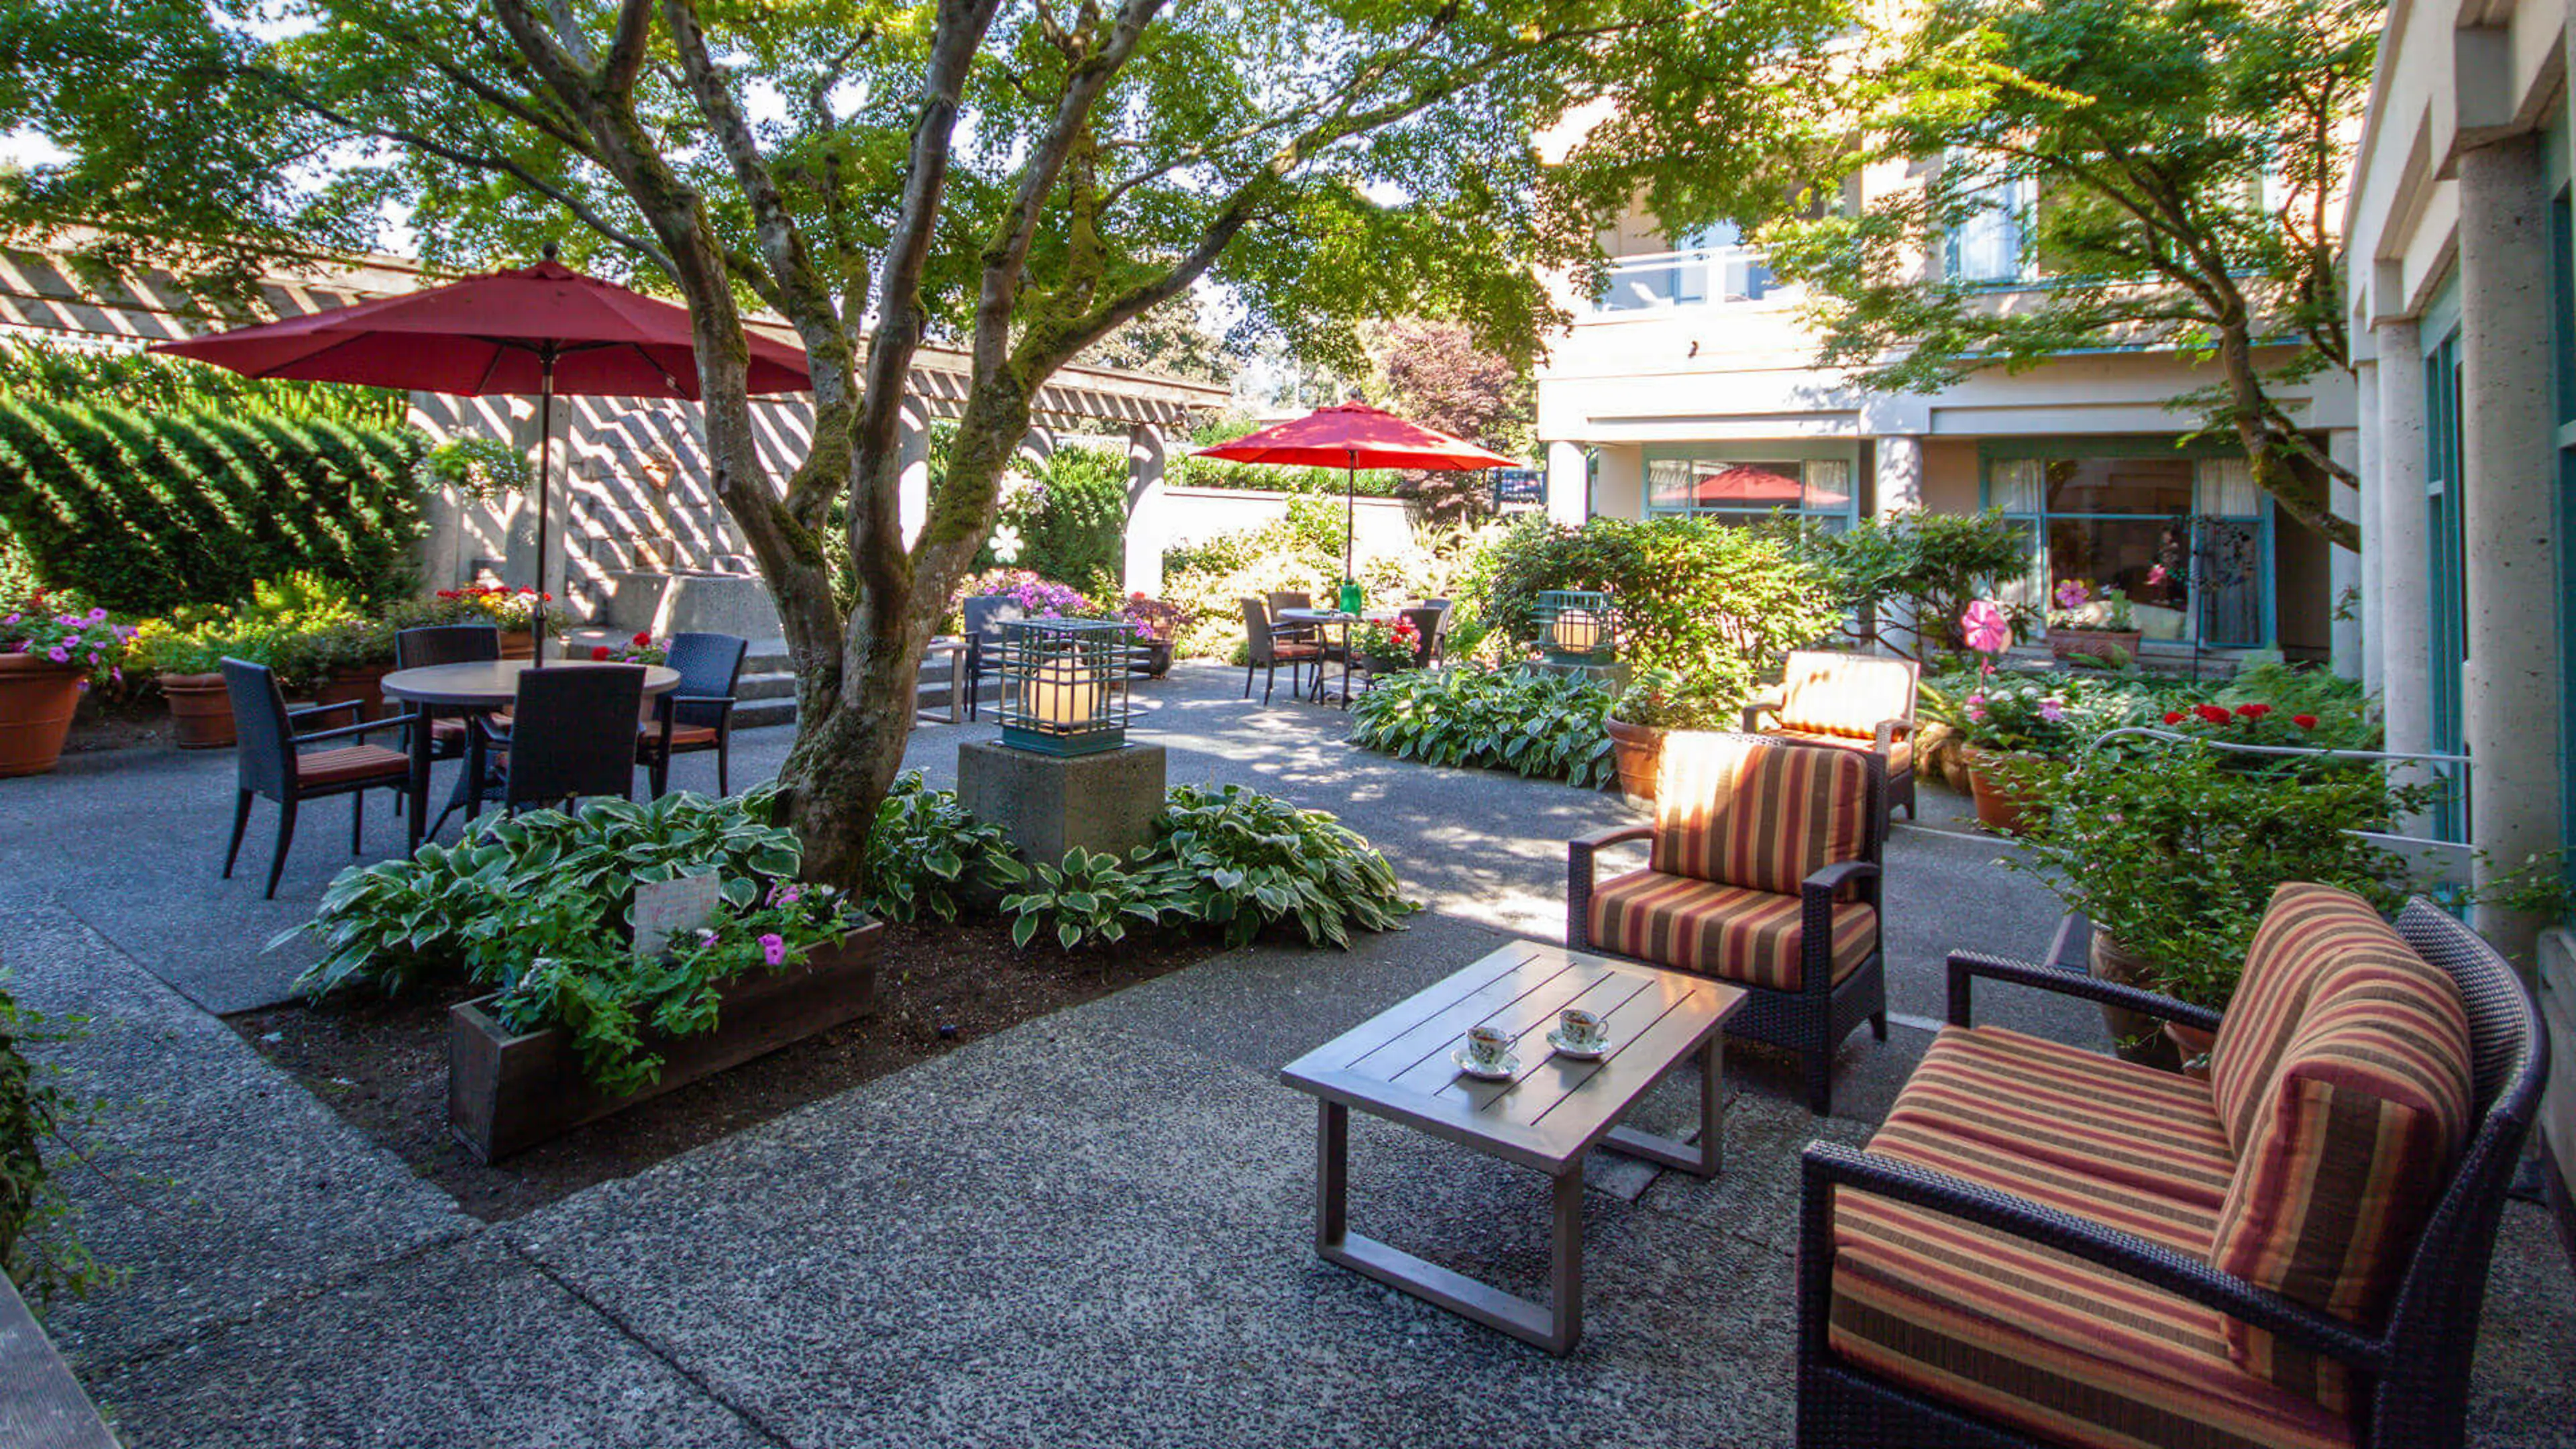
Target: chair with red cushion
x,y
1764,873
434,644
697,716
1851,702
1266,648
269,761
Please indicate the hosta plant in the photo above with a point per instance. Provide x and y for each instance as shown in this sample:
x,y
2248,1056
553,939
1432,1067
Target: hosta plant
x,y
927,854
1090,900
1545,726
1245,860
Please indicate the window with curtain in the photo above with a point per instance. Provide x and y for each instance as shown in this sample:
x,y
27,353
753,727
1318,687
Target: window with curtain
x,y
1813,488
2185,539
1988,246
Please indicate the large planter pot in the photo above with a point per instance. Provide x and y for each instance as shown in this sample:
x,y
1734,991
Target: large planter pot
x,y
1154,660
2000,807
2136,1036
508,1093
2117,646
365,684
37,698
201,710
518,643
1638,751
2192,1045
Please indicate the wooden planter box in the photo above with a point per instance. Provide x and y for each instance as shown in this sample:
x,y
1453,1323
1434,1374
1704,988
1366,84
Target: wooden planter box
x,y
508,1093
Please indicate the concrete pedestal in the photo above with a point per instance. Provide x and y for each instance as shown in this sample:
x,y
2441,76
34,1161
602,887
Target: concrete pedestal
x,y
1048,804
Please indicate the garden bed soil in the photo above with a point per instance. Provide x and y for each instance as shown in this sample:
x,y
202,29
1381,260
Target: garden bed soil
x,y
382,1065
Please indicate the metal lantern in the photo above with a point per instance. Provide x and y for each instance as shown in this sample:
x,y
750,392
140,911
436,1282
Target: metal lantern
x,y
1064,684
1574,626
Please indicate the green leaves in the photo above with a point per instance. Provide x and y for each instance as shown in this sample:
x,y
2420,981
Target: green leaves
x,y
926,855
1090,898
1540,725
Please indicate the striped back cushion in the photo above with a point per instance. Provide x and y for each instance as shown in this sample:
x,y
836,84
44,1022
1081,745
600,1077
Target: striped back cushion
x,y
1743,812
1844,694
2348,1138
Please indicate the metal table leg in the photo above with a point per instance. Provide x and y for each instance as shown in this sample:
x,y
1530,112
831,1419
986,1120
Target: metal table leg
x,y
1701,1160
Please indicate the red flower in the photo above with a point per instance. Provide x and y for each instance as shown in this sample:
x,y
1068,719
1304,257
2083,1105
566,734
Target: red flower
x,y
643,637
599,651
447,593
2253,711
2173,716
2304,721
2212,713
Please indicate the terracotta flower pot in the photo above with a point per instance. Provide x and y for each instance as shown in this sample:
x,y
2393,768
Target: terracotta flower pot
x,y
1638,752
365,684
2000,807
37,697
2099,643
2134,1034
518,643
2192,1045
201,710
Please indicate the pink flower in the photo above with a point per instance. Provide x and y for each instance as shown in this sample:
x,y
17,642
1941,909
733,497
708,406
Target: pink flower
x,y
95,615
59,654
706,938
2052,710
1985,627
2072,594
2156,575
773,949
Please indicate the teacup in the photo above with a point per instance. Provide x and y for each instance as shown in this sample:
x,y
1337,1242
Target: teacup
x,y
1488,1046
1580,1029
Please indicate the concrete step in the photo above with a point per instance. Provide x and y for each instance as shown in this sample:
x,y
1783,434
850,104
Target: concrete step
x,y
766,693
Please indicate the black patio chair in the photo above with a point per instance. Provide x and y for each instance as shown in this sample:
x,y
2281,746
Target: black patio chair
x,y
433,644
268,762
1266,649
985,616
571,734
698,715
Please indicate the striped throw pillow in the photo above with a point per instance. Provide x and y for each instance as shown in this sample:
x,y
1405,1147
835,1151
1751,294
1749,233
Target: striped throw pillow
x,y
2348,1138
1743,812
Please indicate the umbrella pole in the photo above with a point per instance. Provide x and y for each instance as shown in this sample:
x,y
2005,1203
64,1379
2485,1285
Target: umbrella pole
x,y
1350,514
545,489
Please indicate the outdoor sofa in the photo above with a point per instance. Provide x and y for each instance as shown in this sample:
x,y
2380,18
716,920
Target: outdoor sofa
x,y
2044,1245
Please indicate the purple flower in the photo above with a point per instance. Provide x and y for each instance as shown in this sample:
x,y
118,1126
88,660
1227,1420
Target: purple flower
x,y
2053,710
95,615
773,949
706,938
59,654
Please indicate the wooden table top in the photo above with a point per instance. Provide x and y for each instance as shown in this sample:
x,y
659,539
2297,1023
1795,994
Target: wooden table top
x,y
494,683
1397,1064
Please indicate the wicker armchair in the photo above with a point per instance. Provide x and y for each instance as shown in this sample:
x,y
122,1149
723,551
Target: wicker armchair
x,y
2121,1325
1764,873
1852,702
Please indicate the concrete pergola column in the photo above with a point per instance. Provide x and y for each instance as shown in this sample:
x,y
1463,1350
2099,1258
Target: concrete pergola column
x,y
1569,483
1142,570
912,493
1898,476
2366,508
2395,495
2509,518
2343,565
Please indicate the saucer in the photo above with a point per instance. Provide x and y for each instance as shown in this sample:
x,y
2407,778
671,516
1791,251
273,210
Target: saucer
x,y
1593,1053
1500,1072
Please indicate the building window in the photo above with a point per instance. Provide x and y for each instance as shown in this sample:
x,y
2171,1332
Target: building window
x,y
1989,246
1819,489
1714,265
2188,540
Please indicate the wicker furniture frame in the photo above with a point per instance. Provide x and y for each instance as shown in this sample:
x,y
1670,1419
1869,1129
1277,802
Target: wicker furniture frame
x,y
1812,1020
1268,645
710,669
1883,733
266,761
2413,1367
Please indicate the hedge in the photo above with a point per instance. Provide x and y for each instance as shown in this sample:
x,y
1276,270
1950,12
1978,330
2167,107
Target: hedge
x,y
147,512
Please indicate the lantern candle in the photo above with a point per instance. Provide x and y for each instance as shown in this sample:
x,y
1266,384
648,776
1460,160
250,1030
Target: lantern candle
x,y
1060,694
1578,631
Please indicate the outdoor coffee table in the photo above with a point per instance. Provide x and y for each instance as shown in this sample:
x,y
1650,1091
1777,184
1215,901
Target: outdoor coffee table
x,y
1555,1109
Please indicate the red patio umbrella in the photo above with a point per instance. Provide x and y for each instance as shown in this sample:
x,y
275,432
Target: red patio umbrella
x,y
545,329
1356,435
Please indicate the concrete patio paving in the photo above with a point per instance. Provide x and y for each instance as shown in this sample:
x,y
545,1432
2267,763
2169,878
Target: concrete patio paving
x,y
1092,1229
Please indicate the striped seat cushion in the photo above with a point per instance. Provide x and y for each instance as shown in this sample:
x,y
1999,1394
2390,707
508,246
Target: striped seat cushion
x,y
1844,694
2147,1138
1900,753
1755,938
2345,1088
2032,1338
1740,811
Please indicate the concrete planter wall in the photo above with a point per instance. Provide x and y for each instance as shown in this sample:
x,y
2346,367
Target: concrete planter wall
x,y
508,1093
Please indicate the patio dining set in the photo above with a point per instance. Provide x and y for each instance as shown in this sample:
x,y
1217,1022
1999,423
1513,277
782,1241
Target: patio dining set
x,y
2041,1245
523,734
1285,627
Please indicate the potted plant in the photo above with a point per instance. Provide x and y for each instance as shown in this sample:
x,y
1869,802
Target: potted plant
x,y
2006,726
1386,645
1157,624
2173,856
513,610
186,659
349,659
1657,702
48,655
2104,626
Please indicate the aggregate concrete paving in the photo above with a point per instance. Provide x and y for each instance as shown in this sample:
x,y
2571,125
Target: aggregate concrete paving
x,y
1093,1229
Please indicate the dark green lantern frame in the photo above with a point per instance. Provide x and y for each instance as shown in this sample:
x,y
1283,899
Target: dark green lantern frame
x,y
1064,684
1554,604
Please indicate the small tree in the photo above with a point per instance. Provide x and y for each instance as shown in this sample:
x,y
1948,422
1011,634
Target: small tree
x,y
2174,167
1905,580
1433,373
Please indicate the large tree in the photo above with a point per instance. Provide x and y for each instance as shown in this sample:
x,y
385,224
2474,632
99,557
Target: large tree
x,y
1024,179
2170,171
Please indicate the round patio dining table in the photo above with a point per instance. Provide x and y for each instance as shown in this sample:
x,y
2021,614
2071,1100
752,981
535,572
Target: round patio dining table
x,y
1337,620
478,688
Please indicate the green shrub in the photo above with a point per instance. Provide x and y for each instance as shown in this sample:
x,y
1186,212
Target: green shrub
x,y
145,513
1922,567
39,1250
1071,524
151,383
1716,604
1244,860
1542,725
1088,900
926,853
